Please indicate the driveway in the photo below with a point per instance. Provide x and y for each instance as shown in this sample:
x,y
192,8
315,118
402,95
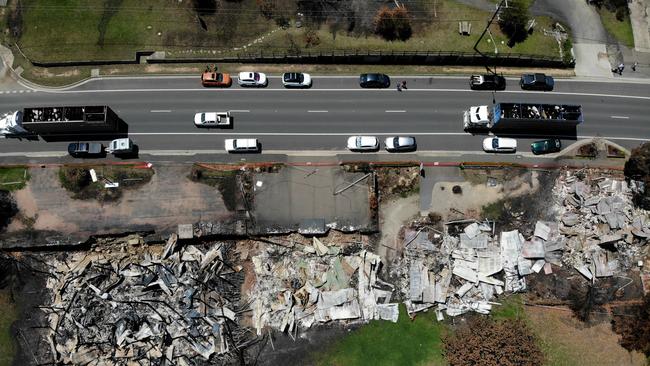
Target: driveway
x,y
589,35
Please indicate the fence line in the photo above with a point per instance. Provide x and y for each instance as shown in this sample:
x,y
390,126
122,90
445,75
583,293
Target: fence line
x,y
340,57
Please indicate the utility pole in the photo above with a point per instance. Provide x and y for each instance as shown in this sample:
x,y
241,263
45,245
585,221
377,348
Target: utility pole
x,y
486,57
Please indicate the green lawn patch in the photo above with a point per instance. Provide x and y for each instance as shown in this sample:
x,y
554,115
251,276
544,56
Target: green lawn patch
x,y
115,29
407,342
8,315
621,30
14,178
511,308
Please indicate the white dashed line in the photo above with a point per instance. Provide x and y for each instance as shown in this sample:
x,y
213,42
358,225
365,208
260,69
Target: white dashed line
x,y
621,117
160,110
239,111
395,111
316,111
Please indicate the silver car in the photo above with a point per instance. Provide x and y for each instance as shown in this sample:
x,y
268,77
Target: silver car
x,y
400,143
363,143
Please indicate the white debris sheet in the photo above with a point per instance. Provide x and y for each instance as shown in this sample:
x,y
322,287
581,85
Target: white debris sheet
x,y
296,288
129,306
596,232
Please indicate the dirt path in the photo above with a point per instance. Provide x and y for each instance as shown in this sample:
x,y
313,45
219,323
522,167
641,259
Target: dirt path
x,y
392,215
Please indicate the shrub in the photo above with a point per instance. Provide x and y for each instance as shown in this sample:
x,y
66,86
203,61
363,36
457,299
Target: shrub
x,y
311,38
482,341
74,179
393,24
633,324
638,168
513,20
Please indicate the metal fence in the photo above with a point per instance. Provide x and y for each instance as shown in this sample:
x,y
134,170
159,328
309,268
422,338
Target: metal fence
x,y
355,57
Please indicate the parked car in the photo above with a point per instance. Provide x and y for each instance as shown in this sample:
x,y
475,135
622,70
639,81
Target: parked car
x,y
374,81
242,145
85,149
296,80
252,79
499,145
217,79
487,82
400,143
546,146
537,81
363,143
212,119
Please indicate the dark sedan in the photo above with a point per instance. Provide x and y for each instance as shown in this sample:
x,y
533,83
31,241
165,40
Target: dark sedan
x,y
546,146
541,82
374,81
85,149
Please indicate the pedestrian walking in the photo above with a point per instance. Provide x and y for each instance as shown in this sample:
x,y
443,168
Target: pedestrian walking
x,y
399,87
621,67
634,65
404,84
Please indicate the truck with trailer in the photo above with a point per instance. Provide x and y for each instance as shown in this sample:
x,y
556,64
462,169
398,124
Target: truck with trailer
x,y
521,117
57,121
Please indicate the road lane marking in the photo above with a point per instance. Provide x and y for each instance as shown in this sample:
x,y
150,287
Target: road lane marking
x,y
316,111
340,90
396,111
239,111
621,117
160,111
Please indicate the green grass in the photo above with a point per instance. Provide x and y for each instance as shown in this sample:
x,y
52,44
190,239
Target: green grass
x,y
511,308
14,178
8,315
440,35
70,30
621,30
416,342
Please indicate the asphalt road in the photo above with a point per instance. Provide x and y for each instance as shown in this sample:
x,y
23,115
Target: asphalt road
x,y
159,112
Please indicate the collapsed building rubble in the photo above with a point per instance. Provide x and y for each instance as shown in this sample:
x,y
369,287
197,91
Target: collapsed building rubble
x,y
141,307
598,232
315,281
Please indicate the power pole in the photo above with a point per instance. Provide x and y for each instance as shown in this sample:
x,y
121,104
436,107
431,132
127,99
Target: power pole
x,y
486,57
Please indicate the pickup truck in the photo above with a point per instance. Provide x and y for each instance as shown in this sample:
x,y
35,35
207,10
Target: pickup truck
x,y
123,146
241,145
487,82
213,119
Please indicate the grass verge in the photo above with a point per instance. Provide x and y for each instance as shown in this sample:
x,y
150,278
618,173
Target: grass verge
x,y
621,30
407,342
77,180
8,315
13,178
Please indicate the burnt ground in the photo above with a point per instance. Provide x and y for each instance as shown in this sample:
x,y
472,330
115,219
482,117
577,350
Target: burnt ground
x,y
22,276
589,303
287,352
523,211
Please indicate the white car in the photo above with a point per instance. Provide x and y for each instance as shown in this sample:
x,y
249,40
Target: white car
x,y
242,145
400,143
212,119
499,145
363,143
296,80
252,79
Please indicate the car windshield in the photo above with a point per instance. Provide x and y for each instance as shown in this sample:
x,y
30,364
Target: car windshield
x,y
359,141
257,77
219,77
495,143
